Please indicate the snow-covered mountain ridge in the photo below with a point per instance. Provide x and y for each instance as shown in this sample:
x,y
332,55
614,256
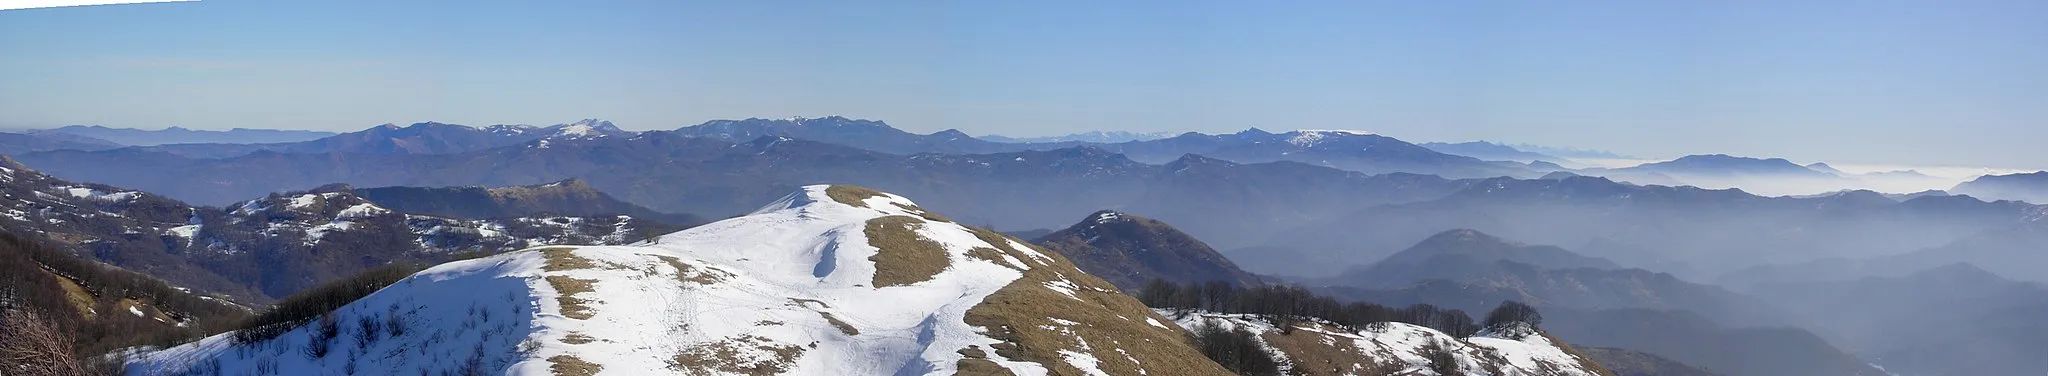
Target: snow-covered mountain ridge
x,y
829,280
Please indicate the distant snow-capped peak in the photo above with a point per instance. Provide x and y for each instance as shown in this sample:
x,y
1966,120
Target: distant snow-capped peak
x,y
1311,137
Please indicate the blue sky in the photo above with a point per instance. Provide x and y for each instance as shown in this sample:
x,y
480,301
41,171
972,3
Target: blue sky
x,y
1897,82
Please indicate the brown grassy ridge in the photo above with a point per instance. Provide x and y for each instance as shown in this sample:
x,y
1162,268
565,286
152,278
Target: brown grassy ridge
x,y
854,196
1019,314
851,195
902,257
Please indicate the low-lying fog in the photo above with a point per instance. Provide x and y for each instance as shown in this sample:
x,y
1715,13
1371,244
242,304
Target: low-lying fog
x,y
1894,179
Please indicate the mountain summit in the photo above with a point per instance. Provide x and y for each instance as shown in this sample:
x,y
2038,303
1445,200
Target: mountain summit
x,y
1130,250
827,280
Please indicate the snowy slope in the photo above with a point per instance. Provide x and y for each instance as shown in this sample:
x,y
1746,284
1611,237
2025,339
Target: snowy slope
x,y
798,287
1401,349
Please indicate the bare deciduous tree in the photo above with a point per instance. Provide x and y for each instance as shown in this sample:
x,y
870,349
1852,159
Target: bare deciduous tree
x,y
32,346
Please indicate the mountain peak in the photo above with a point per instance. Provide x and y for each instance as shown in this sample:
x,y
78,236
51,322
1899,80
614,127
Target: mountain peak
x,y
839,121
1723,164
1310,138
586,128
1129,251
1190,160
1460,251
1956,274
1106,216
1825,168
1458,238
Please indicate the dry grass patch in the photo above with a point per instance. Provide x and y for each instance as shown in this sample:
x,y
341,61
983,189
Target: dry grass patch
x,y
577,339
70,238
566,289
746,354
76,294
903,257
691,274
1322,354
992,255
1022,313
981,367
564,258
565,365
976,363
850,195
1007,245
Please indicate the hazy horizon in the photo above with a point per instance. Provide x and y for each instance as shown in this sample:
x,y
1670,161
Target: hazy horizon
x,y
1844,82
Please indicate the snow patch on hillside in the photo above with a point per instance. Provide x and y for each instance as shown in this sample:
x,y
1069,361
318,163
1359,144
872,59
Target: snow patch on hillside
x,y
98,195
360,211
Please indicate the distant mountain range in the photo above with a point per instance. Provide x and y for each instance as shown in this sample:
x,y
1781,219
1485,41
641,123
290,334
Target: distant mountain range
x,y
18,143
859,133
1099,137
1570,153
1726,165
1689,231
1253,184
1348,150
419,138
1489,151
572,197
671,172
178,135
